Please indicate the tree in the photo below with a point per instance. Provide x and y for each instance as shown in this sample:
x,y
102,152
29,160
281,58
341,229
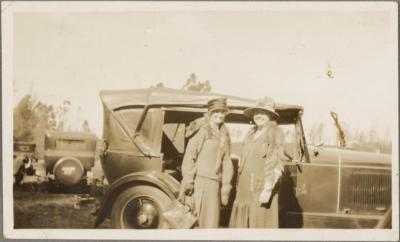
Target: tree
x,y
25,119
159,84
316,134
340,133
368,140
62,114
193,85
85,126
31,119
46,120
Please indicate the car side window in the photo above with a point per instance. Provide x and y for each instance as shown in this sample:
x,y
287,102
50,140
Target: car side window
x,y
150,130
174,134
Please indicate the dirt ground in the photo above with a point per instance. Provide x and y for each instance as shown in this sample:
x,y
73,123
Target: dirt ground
x,y
38,209
33,209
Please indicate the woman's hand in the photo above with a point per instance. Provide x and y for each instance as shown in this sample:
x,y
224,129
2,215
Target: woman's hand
x,y
265,195
224,200
186,189
181,196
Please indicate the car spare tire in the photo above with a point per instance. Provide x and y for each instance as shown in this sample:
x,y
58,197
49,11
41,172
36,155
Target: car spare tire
x,y
68,171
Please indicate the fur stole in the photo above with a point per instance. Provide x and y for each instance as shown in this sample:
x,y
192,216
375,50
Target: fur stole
x,y
273,138
202,128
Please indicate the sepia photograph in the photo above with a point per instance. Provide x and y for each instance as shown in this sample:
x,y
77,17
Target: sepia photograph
x,y
200,120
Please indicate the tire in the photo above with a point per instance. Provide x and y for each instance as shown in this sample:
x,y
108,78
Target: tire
x,y
140,207
72,175
19,176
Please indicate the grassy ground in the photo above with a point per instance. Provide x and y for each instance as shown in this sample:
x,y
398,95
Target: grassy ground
x,y
51,210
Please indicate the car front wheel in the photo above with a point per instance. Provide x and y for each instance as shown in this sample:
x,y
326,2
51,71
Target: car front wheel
x,y
140,207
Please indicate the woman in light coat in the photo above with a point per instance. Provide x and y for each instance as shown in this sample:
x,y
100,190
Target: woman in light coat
x,y
261,165
207,168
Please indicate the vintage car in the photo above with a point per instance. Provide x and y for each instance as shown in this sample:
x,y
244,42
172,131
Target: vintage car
x,y
144,143
24,148
24,156
69,155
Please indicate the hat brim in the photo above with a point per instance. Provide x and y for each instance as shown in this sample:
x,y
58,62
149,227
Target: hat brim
x,y
249,112
218,108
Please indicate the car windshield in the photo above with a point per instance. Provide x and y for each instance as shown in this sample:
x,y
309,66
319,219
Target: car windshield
x,y
70,144
292,144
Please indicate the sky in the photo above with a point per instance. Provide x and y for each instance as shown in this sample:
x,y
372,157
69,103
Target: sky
x,y
277,53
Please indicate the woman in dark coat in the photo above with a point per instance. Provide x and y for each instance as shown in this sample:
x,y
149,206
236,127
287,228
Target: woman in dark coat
x,y
207,168
260,167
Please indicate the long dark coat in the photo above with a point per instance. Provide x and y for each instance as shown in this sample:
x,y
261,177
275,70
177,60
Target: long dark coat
x,y
261,164
208,166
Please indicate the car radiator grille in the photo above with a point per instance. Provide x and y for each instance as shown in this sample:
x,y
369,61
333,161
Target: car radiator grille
x,y
370,188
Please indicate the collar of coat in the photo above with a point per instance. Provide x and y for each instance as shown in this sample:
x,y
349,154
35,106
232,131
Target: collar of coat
x,y
203,123
222,133
272,135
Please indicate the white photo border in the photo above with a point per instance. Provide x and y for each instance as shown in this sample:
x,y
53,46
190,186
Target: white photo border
x,y
8,8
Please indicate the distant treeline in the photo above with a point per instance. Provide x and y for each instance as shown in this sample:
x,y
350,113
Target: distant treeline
x,y
358,140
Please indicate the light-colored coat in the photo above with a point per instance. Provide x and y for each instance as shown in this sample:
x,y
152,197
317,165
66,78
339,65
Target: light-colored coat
x,y
208,166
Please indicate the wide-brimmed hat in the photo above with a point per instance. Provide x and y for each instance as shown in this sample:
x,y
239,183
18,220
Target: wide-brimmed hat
x,y
217,104
263,104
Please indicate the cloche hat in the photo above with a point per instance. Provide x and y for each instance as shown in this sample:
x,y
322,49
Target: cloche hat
x,y
264,104
217,104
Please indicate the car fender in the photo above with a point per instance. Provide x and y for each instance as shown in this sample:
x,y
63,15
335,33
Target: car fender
x,y
164,182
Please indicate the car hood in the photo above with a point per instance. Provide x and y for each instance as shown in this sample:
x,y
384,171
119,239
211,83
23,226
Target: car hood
x,y
349,157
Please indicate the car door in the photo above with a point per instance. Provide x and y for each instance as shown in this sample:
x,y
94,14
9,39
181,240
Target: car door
x,y
310,193
309,188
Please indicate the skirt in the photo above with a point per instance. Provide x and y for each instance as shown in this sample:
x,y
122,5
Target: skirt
x,y
206,197
251,214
